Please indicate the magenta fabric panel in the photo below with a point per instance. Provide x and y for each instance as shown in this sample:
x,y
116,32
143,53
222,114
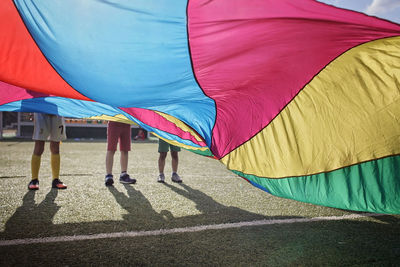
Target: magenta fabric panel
x,y
10,93
152,119
252,56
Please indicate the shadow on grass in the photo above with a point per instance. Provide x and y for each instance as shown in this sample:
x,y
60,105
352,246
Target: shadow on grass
x,y
14,144
139,209
13,176
314,243
141,215
30,214
35,220
62,175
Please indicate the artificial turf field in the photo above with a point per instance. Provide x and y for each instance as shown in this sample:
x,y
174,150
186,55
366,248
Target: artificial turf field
x,y
213,218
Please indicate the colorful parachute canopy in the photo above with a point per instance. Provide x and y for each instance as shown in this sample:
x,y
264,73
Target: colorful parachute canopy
x,y
300,98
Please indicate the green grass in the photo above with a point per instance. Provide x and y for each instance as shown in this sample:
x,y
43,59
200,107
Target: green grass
x,y
210,194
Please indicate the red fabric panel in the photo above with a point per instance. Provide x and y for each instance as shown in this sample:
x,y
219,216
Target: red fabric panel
x,y
22,63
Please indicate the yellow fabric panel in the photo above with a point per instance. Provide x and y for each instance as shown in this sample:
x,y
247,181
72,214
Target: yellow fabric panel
x,y
118,118
180,125
176,143
349,113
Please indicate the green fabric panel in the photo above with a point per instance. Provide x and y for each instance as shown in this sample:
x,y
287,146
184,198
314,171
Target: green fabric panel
x,y
372,186
206,153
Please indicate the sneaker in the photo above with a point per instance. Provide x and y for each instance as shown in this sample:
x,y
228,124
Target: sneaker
x,y
58,184
33,184
109,180
175,178
126,179
161,178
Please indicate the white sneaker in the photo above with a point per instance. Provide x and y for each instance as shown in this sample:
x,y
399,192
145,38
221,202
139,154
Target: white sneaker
x,y
175,178
161,178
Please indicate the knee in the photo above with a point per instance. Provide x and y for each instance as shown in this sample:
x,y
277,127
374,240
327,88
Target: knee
x,y
110,152
55,147
163,155
174,155
39,148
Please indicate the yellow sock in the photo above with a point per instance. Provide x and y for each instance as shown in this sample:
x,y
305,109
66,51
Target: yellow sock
x,y
35,166
55,165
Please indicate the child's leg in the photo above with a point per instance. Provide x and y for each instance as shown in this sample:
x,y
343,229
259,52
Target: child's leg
x,y
124,146
124,161
109,161
175,161
112,141
161,161
55,159
36,159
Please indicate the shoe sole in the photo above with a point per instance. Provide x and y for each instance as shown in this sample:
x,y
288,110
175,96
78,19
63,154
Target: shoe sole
x,y
35,188
109,183
61,188
177,181
161,181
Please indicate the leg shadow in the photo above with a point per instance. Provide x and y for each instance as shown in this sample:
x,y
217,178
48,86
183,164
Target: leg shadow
x,y
31,219
139,209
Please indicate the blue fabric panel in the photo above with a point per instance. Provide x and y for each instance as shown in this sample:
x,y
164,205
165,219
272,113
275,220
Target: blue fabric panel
x,y
123,53
81,109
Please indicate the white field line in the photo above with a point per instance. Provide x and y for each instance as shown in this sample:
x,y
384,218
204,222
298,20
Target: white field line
x,y
199,228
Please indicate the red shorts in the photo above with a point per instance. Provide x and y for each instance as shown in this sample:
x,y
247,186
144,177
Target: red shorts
x,y
118,131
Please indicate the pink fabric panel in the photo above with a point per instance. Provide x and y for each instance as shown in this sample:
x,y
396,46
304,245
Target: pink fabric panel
x,y
10,93
252,57
154,120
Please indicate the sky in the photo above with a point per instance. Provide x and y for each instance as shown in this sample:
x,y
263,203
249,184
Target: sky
x,y
386,9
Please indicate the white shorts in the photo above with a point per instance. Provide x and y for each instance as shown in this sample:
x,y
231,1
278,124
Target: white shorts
x,y
48,127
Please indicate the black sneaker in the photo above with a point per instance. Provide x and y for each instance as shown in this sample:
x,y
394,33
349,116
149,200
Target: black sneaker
x,y
126,179
58,184
109,180
33,184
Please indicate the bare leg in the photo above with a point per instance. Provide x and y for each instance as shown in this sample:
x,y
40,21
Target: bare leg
x,y
175,161
54,147
39,148
124,161
109,161
161,161
55,159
